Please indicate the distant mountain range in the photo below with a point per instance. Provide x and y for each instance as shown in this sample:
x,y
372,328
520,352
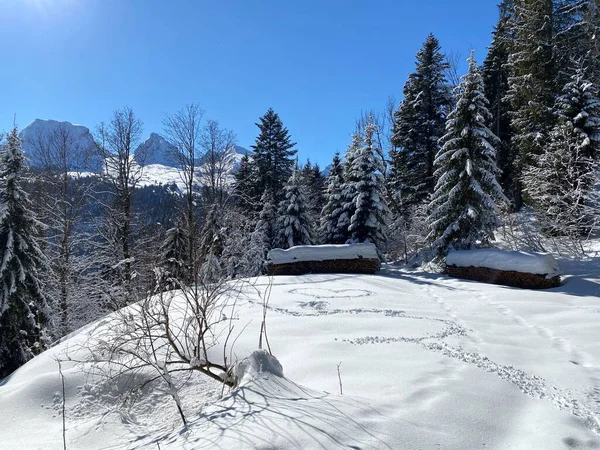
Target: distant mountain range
x,y
156,147
160,166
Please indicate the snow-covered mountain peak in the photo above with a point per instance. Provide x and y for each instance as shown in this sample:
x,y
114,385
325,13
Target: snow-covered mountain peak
x,y
43,129
156,150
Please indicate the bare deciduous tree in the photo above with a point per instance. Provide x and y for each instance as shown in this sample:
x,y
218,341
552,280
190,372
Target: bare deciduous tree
x,y
118,144
169,331
217,162
183,130
63,198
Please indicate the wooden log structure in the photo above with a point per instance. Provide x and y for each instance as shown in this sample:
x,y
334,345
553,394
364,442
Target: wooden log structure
x,y
505,267
504,277
346,258
364,265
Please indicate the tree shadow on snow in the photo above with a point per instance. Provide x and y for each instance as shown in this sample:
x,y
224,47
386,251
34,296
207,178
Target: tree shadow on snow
x,y
273,412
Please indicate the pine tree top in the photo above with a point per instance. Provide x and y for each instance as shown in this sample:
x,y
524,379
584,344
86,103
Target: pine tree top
x,y
273,135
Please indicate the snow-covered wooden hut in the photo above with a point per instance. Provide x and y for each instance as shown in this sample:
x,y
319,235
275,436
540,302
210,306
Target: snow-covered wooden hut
x,y
347,258
509,268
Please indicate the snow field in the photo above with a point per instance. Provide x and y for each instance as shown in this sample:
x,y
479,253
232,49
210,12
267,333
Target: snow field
x,y
426,362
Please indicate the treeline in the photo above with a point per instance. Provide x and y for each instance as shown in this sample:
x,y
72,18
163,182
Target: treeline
x,y
441,170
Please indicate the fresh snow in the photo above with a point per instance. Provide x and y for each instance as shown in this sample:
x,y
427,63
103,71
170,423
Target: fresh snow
x,y
425,362
322,253
535,263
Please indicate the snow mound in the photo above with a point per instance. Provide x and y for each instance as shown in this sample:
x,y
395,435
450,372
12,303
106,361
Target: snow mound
x,y
260,362
322,253
538,264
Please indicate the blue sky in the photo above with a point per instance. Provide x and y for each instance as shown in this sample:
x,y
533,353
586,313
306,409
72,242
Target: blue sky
x,y
317,63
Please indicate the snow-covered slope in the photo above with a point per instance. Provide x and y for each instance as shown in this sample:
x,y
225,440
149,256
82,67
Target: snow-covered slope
x,y
423,362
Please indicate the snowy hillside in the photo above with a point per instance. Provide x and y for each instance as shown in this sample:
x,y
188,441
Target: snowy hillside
x,y
424,362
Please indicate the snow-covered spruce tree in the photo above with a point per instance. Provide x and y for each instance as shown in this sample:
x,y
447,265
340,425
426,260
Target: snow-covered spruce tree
x,y
293,224
495,74
579,103
531,83
419,123
370,209
264,236
561,181
576,37
246,185
348,190
315,189
464,212
236,257
330,214
403,188
272,159
23,304
174,252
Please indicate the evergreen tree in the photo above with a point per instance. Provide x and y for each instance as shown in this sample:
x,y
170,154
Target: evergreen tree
x,y
264,237
23,304
294,223
495,74
174,252
333,207
463,208
315,188
370,208
348,191
561,182
531,83
272,158
577,24
418,124
246,185
405,185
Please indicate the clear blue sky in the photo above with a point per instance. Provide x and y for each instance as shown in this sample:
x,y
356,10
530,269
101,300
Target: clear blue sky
x,y
318,63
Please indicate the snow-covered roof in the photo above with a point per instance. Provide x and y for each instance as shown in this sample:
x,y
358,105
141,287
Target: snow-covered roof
x,y
535,263
322,253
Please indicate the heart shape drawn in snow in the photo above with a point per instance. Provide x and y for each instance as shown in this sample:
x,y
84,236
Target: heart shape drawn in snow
x,y
331,293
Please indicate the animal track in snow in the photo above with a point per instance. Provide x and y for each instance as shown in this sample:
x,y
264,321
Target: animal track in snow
x,y
558,342
586,407
331,293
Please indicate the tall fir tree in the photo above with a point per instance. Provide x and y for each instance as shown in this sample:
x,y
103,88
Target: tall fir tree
x,y
272,159
294,223
246,185
561,181
464,211
330,214
370,208
495,74
315,188
418,125
404,182
577,27
348,190
24,311
531,83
